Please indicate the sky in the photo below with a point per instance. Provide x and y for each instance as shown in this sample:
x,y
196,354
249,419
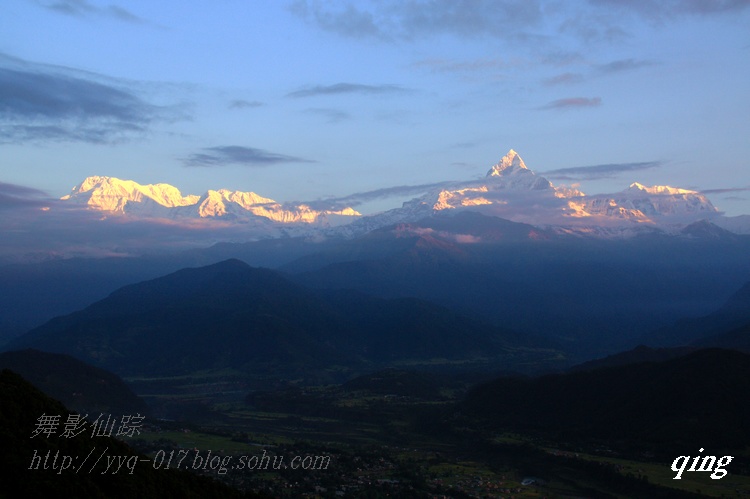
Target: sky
x,y
316,100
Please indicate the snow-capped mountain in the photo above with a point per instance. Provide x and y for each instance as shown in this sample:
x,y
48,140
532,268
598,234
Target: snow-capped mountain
x,y
514,174
651,203
512,191
109,194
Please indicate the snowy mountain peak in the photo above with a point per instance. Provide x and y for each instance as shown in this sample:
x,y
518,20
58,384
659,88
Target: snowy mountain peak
x,y
244,199
514,192
652,204
91,182
509,165
658,189
113,195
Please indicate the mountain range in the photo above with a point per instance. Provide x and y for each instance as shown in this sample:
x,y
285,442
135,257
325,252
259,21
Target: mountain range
x,y
596,295
608,292
232,316
112,195
510,190
452,247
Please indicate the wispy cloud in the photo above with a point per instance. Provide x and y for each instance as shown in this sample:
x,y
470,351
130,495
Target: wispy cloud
x,y
622,65
395,19
330,115
563,79
344,19
464,145
123,14
590,27
562,58
238,155
725,190
454,66
533,22
112,132
44,103
244,104
83,8
347,88
598,70
573,103
596,172
359,198
661,10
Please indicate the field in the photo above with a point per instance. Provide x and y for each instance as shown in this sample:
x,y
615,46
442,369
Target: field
x,y
380,443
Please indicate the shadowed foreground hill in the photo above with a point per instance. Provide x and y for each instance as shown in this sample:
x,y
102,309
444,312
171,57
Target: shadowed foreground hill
x,y
21,405
230,315
641,353
81,387
698,400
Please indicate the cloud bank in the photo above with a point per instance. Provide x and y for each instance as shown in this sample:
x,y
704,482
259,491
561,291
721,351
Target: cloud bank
x,y
14,196
45,103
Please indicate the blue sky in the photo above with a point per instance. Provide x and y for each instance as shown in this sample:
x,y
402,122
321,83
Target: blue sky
x,y
308,100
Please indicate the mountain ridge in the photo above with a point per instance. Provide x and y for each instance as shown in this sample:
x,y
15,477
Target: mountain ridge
x,y
232,315
512,191
113,195
509,190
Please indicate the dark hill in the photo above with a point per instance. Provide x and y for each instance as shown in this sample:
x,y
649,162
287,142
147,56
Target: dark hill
x,y
698,400
487,228
22,405
596,295
707,230
736,339
229,315
83,388
641,353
